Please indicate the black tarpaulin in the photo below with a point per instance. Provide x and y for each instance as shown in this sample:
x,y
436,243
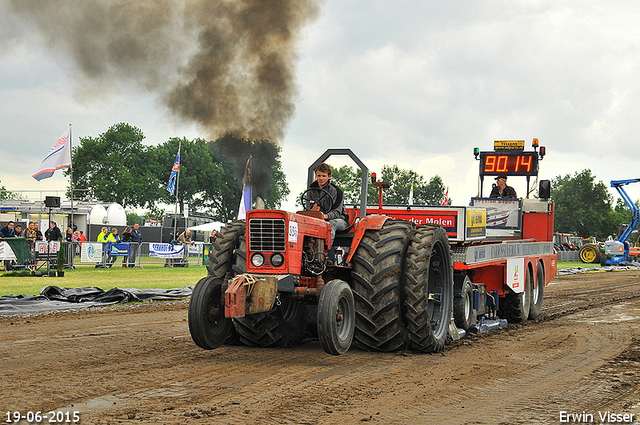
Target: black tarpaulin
x,y
56,298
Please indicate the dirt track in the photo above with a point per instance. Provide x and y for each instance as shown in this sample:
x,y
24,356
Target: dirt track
x,y
137,364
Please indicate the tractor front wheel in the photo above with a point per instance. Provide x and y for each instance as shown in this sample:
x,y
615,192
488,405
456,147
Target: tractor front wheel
x,y
336,317
208,325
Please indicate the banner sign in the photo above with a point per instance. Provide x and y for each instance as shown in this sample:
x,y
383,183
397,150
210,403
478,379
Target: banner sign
x,y
118,249
501,213
166,250
90,252
42,247
195,249
6,253
508,145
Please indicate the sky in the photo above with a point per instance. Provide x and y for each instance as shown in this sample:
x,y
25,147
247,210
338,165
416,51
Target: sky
x,y
413,83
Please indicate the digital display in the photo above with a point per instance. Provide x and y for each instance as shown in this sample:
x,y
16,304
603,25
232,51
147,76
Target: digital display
x,y
510,164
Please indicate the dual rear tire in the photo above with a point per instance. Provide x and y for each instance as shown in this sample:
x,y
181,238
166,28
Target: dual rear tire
x,y
403,288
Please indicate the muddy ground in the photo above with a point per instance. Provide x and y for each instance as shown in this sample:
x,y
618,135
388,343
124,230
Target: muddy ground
x,y
137,364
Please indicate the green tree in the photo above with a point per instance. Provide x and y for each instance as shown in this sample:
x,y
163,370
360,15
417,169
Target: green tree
x,y
115,167
199,177
583,205
7,194
133,217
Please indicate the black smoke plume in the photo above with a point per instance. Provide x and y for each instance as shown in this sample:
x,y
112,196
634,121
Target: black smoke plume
x,y
227,65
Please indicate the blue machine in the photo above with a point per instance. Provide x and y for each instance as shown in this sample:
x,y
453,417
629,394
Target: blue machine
x,y
616,252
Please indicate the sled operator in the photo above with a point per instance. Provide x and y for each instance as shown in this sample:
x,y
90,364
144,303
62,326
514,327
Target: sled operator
x,y
501,190
332,210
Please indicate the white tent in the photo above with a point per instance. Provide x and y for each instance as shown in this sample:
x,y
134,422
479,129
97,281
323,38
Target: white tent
x,y
207,227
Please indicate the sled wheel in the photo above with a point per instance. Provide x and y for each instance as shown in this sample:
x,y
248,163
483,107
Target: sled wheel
x,y
463,313
538,291
514,306
336,317
208,326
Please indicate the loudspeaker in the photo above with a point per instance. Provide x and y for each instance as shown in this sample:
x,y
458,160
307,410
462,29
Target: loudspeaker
x,y
52,201
544,190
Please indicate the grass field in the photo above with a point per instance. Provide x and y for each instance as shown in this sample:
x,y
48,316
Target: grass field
x,y
150,276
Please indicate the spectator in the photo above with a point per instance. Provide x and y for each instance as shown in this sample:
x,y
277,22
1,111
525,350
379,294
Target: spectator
x,y
102,238
36,227
8,231
53,233
68,236
136,240
185,238
81,236
213,235
30,234
18,231
112,238
126,237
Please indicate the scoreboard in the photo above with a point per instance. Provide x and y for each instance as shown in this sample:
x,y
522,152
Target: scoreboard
x,y
509,163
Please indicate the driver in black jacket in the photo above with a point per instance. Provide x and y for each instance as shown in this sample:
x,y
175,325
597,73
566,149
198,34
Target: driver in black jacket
x,y
332,209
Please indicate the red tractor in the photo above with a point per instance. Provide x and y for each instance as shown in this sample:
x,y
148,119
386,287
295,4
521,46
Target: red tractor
x,y
390,286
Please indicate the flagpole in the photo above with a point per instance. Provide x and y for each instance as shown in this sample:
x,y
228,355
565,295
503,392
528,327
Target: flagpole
x,y
71,172
175,220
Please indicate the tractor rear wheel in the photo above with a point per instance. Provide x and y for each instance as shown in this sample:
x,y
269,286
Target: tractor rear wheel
x,y
515,307
208,325
283,327
590,254
428,289
537,293
336,317
221,256
377,277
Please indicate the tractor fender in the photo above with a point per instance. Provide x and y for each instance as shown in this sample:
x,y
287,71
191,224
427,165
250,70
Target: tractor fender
x,y
370,222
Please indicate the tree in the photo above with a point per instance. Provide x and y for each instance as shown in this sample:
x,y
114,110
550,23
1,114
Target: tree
x,y
199,178
115,167
583,206
7,194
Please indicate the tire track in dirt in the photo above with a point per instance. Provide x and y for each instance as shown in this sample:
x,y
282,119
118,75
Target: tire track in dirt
x,y
139,365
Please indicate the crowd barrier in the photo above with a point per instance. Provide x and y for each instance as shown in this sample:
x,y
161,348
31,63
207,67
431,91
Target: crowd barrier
x,y
96,254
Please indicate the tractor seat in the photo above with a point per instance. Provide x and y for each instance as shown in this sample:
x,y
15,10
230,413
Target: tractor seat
x,y
352,219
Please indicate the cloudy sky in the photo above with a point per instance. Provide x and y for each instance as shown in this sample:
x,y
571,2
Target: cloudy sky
x,y
413,83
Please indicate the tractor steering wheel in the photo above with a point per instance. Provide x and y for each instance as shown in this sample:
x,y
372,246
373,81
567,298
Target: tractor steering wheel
x,y
307,203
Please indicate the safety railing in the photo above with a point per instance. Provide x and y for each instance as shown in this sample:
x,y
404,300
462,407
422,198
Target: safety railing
x,y
96,254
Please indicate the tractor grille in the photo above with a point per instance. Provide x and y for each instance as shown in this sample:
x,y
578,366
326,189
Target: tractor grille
x,y
267,234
